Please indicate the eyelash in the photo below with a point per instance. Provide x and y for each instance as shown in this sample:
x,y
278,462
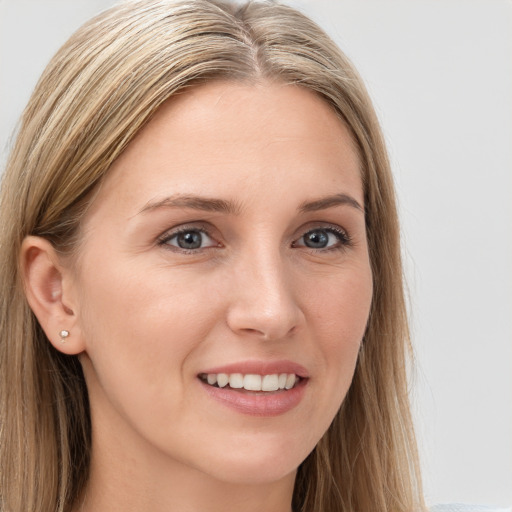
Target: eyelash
x,y
166,237
344,239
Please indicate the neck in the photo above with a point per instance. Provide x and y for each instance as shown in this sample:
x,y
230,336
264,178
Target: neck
x,y
137,489
127,475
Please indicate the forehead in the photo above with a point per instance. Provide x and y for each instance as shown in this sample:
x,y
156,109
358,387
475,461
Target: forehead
x,y
221,135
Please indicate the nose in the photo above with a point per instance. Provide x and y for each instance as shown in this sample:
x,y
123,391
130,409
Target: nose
x,y
263,301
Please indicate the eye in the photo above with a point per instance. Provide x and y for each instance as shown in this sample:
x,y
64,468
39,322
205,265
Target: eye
x,y
323,238
189,239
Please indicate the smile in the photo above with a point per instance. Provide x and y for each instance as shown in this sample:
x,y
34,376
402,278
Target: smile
x,y
257,388
252,382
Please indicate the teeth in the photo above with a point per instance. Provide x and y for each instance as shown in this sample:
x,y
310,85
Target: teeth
x,y
252,382
290,381
270,383
222,379
236,381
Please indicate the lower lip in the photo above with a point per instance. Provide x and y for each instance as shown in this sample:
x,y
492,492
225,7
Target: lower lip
x,y
258,403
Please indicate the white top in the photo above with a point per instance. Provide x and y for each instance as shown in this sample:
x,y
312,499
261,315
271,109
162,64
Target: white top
x,y
460,507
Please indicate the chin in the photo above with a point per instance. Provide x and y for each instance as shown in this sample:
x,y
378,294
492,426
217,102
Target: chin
x,y
251,474
260,464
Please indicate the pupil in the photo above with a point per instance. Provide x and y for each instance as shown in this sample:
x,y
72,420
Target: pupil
x,y
317,239
190,240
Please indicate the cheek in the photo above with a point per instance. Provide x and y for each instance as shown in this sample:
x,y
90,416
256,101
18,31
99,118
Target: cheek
x,y
339,314
145,304
142,330
140,327
341,307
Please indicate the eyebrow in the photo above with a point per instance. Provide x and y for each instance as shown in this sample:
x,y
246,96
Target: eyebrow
x,y
195,203
330,202
232,208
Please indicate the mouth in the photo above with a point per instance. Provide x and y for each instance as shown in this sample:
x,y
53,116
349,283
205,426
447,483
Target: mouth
x,y
257,388
270,383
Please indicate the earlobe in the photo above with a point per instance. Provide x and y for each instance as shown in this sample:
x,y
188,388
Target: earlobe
x,y
48,291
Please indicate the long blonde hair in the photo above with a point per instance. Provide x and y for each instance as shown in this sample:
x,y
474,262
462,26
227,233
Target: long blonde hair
x,y
98,91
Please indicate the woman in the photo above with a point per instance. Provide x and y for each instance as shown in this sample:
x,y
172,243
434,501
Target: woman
x,y
202,305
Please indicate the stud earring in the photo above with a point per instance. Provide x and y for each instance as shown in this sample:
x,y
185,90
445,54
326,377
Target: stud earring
x,y
63,335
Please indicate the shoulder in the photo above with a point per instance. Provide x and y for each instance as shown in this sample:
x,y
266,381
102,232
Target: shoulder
x,y
460,507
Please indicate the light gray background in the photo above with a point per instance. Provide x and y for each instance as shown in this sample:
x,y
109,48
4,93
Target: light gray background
x,y
440,74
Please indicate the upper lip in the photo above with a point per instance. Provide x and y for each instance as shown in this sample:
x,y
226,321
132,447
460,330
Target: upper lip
x,y
260,368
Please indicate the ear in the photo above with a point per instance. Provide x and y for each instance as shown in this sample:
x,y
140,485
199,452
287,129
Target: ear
x,y
49,288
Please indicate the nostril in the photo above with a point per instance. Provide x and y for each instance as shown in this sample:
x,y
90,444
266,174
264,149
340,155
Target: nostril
x,y
271,333
254,331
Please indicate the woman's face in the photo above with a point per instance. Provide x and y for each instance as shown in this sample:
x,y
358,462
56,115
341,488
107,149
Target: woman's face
x,y
226,244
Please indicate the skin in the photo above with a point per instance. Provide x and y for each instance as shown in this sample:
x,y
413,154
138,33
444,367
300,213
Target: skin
x,y
147,316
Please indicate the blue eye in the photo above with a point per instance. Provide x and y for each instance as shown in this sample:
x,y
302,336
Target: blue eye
x,y
323,238
189,240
